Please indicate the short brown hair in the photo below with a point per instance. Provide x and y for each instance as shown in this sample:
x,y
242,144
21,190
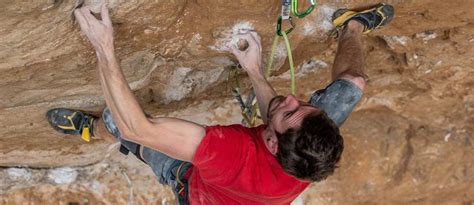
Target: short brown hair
x,y
312,151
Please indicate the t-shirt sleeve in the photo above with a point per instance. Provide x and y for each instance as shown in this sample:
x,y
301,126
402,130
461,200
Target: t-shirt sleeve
x,y
222,152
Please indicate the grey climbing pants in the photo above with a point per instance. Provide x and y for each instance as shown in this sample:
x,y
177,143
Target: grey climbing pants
x,y
338,99
165,168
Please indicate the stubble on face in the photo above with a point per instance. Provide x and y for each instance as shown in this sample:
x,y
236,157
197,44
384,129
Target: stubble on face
x,y
273,105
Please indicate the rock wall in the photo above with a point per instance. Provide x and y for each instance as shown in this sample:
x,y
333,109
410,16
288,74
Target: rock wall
x,y
408,142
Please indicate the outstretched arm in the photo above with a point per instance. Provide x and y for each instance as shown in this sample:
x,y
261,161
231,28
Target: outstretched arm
x,y
174,137
251,61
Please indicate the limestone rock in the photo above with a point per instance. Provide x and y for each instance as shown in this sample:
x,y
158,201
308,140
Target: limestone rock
x,y
409,141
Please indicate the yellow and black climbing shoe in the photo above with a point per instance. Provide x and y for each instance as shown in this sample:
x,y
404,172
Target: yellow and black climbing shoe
x,y
373,18
71,122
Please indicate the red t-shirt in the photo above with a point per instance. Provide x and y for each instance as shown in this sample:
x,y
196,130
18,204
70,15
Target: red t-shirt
x,y
233,166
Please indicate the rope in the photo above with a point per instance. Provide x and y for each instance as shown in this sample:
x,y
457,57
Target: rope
x,y
290,61
130,186
272,54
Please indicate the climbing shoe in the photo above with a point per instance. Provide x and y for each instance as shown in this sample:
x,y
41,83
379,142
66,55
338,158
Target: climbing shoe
x,y
373,18
71,122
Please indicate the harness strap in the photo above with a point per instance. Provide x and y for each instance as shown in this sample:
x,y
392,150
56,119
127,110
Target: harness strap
x,y
178,179
182,186
124,150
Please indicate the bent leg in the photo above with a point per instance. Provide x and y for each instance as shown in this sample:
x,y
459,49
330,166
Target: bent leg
x,y
164,167
100,131
340,97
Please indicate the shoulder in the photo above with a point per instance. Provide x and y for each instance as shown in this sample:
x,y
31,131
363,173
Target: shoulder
x,y
222,138
231,130
223,148
232,135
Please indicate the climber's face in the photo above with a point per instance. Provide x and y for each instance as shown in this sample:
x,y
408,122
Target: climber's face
x,y
285,113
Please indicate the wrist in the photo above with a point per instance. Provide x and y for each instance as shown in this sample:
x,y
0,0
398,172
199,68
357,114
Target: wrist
x,y
256,76
255,71
105,54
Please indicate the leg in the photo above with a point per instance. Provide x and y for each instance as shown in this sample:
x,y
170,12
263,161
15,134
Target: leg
x,y
342,95
349,57
169,171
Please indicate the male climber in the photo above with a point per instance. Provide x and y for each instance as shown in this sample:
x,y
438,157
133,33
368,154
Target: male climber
x,y
269,164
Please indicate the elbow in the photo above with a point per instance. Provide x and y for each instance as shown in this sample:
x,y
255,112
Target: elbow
x,y
129,136
135,132
130,129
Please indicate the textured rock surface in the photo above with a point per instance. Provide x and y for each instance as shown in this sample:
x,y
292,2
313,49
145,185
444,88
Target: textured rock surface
x,y
410,140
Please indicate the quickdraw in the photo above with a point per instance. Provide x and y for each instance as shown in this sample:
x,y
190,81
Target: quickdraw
x,y
285,14
294,11
249,113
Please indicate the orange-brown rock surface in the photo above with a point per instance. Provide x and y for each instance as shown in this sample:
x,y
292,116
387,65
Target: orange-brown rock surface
x,y
410,140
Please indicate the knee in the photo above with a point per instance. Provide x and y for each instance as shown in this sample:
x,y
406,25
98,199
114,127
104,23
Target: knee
x,y
110,124
359,81
113,129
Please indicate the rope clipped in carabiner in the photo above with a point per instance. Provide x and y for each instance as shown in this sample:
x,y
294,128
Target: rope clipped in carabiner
x,y
280,21
294,8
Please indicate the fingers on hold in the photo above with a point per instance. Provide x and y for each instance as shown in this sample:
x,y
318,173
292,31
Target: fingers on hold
x,y
105,14
103,8
255,36
84,18
257,40
234,50
88,15
76,12
247,37
79,16
84,9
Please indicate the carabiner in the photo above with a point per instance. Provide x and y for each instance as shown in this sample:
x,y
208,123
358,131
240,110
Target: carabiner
x,y
294,8
279,22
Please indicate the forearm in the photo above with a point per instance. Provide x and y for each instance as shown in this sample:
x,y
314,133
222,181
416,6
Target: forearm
x,y
125,109
174,137
264,92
